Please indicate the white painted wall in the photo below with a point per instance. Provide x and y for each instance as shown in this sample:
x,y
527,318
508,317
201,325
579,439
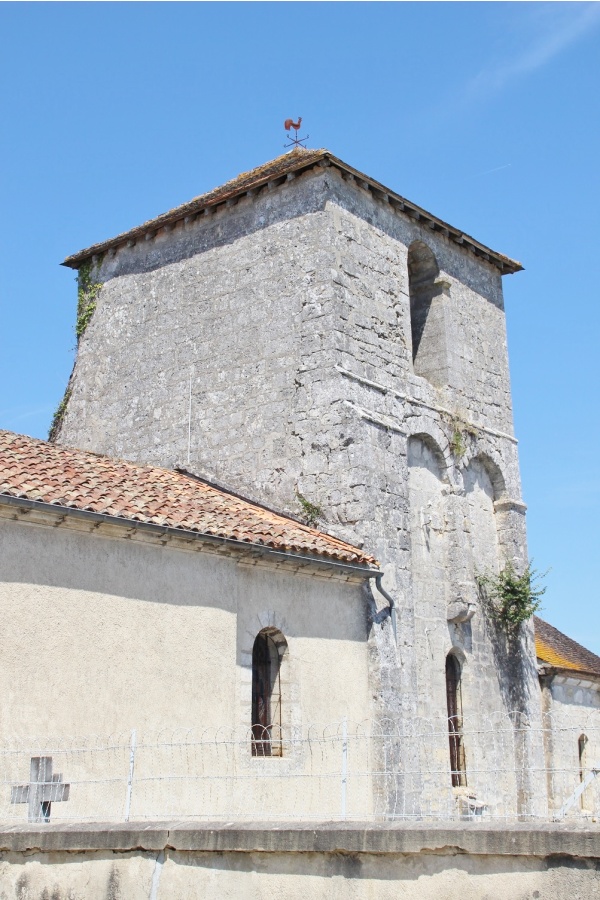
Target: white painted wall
x,y
572,709
103,635
443,875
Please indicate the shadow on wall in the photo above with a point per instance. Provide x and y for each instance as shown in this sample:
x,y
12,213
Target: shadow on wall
x,y
380,867
484,485
212,875
306,196
45,557
219,229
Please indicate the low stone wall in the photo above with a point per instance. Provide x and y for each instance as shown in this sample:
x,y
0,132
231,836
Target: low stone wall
x,y
186,861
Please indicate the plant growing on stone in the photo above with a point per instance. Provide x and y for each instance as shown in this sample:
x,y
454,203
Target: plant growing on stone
x,y
312,511
87,295
512,598
457,444
59,415
461,430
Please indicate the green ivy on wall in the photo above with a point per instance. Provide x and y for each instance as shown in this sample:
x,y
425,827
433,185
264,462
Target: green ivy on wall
x,y
88,289
87,296
59,415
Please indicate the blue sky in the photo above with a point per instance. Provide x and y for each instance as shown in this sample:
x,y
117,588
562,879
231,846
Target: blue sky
x,y
485,114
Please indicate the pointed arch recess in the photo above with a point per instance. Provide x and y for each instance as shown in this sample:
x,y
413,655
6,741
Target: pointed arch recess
x,y
431,443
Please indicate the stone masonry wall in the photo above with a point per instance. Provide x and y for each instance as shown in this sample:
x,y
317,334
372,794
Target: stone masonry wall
x,y
290,314
222,301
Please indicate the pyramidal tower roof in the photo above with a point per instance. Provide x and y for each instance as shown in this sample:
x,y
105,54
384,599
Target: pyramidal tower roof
x,y
275,172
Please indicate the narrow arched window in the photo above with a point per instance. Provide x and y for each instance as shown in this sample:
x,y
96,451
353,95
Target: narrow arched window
x,y
586,799
427,315
455,735
266,694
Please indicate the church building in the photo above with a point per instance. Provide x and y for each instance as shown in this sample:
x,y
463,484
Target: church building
x,y
284,460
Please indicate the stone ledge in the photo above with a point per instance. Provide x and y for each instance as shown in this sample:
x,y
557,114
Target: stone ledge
x,y
523,839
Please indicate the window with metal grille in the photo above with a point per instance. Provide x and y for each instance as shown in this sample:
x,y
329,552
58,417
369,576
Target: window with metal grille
x,y
266,694
455,736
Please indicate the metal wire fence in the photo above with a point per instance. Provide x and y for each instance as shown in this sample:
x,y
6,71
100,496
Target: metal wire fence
x,y
343,770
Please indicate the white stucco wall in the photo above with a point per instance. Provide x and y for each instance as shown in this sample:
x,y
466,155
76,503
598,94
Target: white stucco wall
x,y
102,635
572,711
280,870
308,876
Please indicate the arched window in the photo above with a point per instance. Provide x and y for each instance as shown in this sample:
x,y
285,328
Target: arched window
x,y
455,737
586,798
267,652
427,315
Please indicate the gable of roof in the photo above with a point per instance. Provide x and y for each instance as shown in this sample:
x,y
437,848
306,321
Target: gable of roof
x,y
561,652
36,470
277,170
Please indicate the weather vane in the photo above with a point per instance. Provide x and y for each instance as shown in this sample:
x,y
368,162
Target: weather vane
x,y
294,141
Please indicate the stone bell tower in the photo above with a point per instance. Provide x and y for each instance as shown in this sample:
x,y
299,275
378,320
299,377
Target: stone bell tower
x,y
310,338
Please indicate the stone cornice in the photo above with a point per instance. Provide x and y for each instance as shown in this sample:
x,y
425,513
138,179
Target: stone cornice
x,y
278,172
566,676
495,839
413,401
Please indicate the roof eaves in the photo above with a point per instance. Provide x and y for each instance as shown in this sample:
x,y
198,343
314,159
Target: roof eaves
x,y
261,176
212,199
547,668
502,262
561,653
128,522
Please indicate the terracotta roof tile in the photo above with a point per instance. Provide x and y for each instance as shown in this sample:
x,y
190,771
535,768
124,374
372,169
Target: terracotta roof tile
x,y
36,470
559,651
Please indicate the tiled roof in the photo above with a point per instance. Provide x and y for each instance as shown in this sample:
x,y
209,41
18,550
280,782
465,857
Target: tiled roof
x,y
557,650
295,161
76,479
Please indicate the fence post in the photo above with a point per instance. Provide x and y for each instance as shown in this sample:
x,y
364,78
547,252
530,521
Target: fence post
x,y
577,792
344,765
130,777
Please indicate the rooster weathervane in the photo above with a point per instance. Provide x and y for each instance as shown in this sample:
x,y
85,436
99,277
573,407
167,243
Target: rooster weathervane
x,y
294,141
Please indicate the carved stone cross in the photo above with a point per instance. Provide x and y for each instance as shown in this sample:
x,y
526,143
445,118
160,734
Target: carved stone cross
x,y
43,789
